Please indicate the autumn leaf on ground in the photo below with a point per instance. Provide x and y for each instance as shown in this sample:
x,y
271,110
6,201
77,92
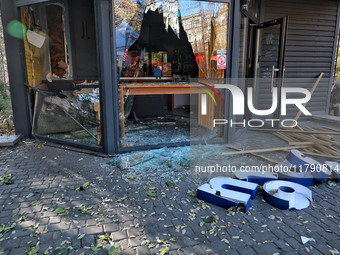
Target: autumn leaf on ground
x,y
208,219
33,234
96,248
83,187
30,195
33,250
225,240
151,193
85,209
121,199
34,203
61,250
4,229
105,237
22,217
334,251
113,251
170,184
61,211
163,251
6,179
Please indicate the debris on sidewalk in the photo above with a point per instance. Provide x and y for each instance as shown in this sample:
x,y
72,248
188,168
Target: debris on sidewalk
x,y
6,179
263,150
228,192
306,169
304,239
255,154
165,158
287,195
259,178
148,214
317,141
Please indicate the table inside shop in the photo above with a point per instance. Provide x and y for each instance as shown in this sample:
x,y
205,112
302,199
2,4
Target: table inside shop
x,y
151,89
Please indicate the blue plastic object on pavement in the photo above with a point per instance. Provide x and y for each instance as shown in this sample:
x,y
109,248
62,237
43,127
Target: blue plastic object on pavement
x,y
228,192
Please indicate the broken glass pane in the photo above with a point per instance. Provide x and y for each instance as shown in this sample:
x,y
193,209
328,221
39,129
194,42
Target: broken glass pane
x,y
163,48
71,115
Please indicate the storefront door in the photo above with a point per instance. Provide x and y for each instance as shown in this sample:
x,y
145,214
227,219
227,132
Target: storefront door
x,y
269,63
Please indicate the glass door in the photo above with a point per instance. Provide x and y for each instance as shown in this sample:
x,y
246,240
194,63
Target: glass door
x,y
269,65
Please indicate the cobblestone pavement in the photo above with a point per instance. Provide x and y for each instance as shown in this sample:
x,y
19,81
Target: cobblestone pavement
x,y
43,212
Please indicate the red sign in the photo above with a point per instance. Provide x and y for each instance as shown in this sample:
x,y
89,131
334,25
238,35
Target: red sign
x,y
221,62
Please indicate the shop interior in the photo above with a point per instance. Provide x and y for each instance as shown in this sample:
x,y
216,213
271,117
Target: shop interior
x,y
158,62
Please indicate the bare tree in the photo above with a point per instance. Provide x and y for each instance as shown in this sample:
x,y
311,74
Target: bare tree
x,y
3,62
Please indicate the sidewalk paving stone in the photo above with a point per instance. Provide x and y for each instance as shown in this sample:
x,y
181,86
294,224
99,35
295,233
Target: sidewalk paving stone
x,y
138,224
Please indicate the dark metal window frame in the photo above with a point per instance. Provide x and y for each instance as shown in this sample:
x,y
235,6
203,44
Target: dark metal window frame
x,y
17,72
252,20
107,66
100,148
20,3
250,15
118,147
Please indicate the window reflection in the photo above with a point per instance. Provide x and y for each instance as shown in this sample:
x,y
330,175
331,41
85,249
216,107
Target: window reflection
x,y
164,48
71,115
60,54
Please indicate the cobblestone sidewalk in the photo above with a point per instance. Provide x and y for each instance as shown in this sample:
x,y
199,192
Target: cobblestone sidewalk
x,y
63,201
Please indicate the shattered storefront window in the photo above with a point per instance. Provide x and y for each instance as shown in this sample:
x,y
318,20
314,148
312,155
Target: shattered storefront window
x,y
167,55
73,116
65,107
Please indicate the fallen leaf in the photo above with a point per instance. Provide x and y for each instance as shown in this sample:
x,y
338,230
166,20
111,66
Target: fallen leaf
x,y
121,199
151,193
224,240
208,219
83,187
4,229
61,250
96,248
163,251
334,251
85,209
34,203
61,211
113,251
33,250
6,179
170,184
30,195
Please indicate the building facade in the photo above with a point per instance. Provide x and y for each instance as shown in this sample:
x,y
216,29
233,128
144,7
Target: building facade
x,y
116,76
